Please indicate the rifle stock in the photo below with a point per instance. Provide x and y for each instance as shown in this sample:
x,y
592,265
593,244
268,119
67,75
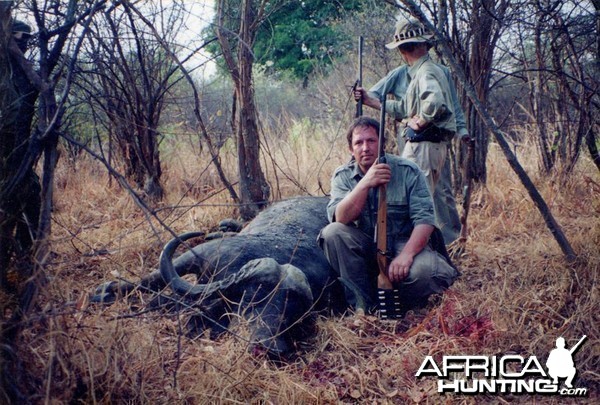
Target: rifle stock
x,y
383,281
359,104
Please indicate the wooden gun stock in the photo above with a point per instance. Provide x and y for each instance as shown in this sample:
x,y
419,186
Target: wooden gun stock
x,y
383,281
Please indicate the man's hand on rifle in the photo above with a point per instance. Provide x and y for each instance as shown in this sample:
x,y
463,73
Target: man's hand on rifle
x,y
377,175
467,139
361,94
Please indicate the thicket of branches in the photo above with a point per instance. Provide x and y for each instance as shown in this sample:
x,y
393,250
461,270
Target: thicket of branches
x,y
98,76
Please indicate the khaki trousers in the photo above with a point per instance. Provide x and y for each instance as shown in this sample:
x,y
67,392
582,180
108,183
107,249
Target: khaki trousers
x,y
446,213
430,157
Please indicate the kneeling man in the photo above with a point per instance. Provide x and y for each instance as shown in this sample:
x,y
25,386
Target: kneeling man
x,y
415,269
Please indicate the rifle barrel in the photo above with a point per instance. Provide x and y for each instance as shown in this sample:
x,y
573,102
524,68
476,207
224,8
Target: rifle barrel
x,y
381,152
577,344
359,104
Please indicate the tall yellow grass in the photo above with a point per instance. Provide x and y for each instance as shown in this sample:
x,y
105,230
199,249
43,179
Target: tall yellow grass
x,y
515,296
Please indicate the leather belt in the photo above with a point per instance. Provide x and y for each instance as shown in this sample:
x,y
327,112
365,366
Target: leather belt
x,y
429,134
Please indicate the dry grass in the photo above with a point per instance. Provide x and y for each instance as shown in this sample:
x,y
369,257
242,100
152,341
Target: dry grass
x,y
516,295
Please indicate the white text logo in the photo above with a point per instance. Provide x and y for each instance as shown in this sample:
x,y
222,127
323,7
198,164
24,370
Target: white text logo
x,y
512,374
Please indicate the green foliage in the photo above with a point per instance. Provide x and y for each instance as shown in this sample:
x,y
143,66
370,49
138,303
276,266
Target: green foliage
x,y
297,35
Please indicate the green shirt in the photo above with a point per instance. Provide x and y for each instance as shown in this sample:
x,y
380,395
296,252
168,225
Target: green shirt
x,y
409,201
425,90
397,82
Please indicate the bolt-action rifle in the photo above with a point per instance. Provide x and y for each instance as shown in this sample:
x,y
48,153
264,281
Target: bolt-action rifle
x,y
383,281
389,298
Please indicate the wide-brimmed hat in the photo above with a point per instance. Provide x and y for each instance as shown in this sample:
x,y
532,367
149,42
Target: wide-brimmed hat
x,y
408,31
21,29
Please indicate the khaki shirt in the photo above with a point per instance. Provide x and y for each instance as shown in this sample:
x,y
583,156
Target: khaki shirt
x,y
428,94
396,83
409,201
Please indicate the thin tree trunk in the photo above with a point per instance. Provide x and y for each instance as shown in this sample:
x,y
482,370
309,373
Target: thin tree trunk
x,y
590,140
539,112
254,189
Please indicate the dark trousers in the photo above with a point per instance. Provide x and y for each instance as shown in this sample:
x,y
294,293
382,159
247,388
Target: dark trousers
x,y
351,253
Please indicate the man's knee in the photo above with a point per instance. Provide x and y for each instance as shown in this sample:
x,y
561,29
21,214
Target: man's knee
x,y
434,269
428,274
338,234
331,237
334,230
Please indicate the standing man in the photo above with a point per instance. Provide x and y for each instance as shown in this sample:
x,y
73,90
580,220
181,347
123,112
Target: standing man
x,y
19,208
397,83
415,268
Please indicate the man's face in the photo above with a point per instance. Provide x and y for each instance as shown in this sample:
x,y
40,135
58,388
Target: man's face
x,y
364,147
401,54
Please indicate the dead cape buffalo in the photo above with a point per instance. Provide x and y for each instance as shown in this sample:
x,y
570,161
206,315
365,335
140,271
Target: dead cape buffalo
x,y
272,272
